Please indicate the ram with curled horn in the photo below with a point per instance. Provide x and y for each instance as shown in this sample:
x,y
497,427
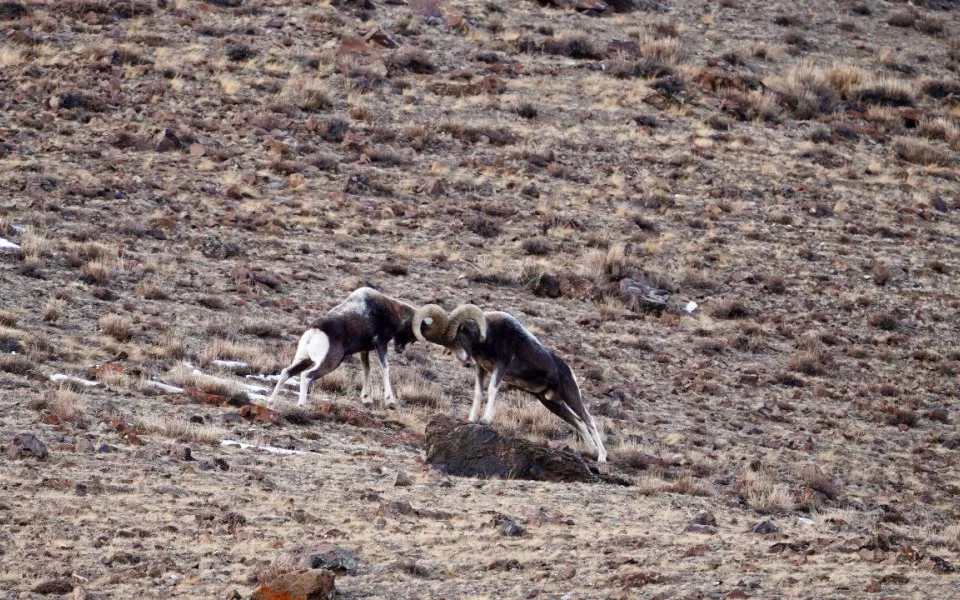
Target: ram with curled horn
x,y
503,351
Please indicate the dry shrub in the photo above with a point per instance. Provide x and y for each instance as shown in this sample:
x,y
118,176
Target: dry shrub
x,y
814,478
33,247
919,152
411,59
577,46
16,364
884,91
7,318
611,265
939,129
806,91
763,495
883,320
931,25
731,309
183,376
179,429
262,329
116,327
308,94
339,382
686,484
902,18
68,406
813,362
53,310
667,51
755,105
151,291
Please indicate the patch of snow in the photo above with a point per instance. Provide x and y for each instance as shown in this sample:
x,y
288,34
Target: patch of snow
x,y
62,377
804,521
19,228
231,364
6,244
270,449
246,387
292,382
165,387
690,307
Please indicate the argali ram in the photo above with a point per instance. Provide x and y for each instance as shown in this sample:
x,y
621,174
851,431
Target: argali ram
x,y
365,322
499,347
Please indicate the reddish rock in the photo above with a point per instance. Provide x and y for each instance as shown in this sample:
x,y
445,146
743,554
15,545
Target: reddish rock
x,y
381,38
355,45
128,431
167,141
306,585
437,188
255,412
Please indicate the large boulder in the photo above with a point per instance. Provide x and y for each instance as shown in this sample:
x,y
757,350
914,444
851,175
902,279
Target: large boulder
x,y
476,450
305,585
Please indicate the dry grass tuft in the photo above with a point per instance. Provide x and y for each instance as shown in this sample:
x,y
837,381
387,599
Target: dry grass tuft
x,y
414,389
16,364
179,429
763,495
68,406
117,327
919,152
183,376
522,415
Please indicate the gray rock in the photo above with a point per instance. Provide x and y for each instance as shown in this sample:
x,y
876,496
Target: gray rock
x,y
26,445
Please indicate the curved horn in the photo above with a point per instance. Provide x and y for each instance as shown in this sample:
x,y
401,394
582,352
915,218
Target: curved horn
x,y
436,326
462,314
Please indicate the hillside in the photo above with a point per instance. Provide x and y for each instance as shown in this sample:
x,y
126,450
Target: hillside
x,y
189,184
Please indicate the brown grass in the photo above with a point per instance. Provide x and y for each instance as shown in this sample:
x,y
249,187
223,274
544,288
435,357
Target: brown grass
x,y
919,152
179,429
117,327
765,496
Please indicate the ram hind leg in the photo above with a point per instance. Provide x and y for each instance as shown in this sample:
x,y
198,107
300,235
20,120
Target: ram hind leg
x,y
325,360
562,409
301,361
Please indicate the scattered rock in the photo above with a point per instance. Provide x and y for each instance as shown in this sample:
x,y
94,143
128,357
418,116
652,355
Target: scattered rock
x,y
699,528
84,445
402,480
736,594
26,445
476,450
167,141
306,585
181,453
705,518
255,412
642,296
508,526
57,587
381,38
765,527
323,556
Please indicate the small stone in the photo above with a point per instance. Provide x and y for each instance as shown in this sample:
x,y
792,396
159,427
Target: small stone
x,y
765,527
331,557
84,445
106,449
167,141
697,528
182,453
26,445
197,149
737,594
508,526
402,480
381,38
706,518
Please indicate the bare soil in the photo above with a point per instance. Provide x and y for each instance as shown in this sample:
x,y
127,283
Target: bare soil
x,y
191,182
